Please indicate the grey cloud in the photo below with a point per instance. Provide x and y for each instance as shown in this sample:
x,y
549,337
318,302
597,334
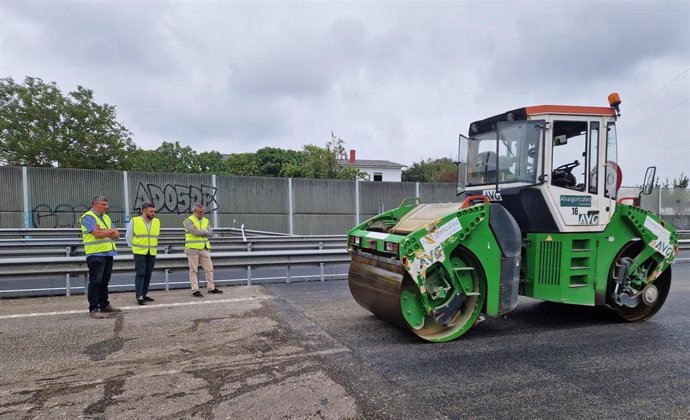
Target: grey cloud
x,y
584,42
396,80
99,35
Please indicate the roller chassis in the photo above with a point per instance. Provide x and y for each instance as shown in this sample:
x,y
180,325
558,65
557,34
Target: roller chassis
x,y
448,272
521,229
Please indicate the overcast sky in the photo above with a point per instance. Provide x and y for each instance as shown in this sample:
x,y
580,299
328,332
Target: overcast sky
x,y
396,80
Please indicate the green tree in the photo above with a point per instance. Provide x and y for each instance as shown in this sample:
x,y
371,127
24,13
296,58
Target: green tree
x,y
168,157
436,170
242,164
272,161
210,163
322,163
681,181
677,183
40,126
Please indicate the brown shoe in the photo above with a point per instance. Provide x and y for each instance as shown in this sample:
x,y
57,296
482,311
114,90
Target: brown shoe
x,y
216,290
197,294
110,308
96,314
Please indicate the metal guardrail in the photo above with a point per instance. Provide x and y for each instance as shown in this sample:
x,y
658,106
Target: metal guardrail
x,y
71,266
21,267
73,247
33,233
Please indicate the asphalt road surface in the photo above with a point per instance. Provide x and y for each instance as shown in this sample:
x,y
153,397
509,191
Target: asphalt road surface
x,y
307,350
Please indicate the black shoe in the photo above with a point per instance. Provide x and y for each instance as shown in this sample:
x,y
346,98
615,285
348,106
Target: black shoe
x,y
197,294
96,314
149,299
216,290
110,308
141,301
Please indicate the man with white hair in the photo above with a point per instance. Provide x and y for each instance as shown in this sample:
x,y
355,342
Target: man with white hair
x,y
198,249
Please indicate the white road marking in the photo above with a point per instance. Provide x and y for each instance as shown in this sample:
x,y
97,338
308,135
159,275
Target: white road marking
x,y
138,307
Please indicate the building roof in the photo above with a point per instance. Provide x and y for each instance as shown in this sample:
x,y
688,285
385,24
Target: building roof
x,y
369,163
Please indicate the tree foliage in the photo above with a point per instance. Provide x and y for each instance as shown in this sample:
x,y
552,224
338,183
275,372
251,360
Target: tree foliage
x,y
40,126
173,157
681,181
242,164
436,170
273,161
677,183
322,162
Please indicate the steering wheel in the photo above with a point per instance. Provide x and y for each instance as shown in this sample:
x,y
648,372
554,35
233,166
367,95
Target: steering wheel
x,y
562,176
568,167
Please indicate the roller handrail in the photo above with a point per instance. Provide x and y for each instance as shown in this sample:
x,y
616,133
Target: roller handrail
x,y
467,201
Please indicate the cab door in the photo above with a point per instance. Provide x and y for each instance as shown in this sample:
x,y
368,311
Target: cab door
x,y
575,183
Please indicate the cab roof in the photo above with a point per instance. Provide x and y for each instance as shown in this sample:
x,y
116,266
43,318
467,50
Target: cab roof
x,y
521,114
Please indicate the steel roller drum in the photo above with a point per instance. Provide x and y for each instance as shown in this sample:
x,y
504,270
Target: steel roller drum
x,y
376,283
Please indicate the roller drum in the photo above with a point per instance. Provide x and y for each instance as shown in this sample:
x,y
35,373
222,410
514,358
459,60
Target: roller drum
x,y
375,283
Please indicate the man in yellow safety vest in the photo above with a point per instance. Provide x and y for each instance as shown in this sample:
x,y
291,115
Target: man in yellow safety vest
x,y
198,249
142,237
98,236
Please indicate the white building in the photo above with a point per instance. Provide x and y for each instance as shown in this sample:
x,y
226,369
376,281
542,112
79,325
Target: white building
x,y
378,170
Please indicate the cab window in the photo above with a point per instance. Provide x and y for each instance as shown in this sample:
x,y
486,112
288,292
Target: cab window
x,y
593,157
569,151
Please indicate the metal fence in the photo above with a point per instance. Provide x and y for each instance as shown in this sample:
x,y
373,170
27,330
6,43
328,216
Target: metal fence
x,y
56,198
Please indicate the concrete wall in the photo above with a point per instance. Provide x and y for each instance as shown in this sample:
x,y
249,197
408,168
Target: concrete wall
x,y
57,197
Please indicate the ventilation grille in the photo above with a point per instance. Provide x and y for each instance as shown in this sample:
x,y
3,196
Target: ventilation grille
x,y
549,273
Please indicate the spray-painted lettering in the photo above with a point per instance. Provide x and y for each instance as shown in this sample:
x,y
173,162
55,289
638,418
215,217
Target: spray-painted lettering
x,y
177,199
67,215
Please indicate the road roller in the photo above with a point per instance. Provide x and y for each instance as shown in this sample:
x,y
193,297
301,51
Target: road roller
x,y
538,215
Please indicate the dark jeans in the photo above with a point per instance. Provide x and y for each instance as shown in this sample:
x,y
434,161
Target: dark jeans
x,y
100,269
143,264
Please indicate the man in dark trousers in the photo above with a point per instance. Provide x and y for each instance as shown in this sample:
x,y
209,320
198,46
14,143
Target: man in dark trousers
x,y
99,235
142,238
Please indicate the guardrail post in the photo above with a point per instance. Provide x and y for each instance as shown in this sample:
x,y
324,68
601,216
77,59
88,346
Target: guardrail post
x,y
214,185
287,278
25,196
356,201
249,267
68,288
290,214
125,181
321,264
167,279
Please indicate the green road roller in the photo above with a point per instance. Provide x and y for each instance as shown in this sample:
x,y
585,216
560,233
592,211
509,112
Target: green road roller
x,y
538,215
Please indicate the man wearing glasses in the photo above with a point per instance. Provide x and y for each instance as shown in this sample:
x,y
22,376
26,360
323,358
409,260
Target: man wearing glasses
x,y
198,249
142,238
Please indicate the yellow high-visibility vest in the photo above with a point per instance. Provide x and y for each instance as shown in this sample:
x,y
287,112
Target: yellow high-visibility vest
x,y
145,241
93,245
196,242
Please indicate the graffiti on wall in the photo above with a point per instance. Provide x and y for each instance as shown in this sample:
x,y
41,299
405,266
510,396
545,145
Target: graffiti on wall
x,y
175,198
67,215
